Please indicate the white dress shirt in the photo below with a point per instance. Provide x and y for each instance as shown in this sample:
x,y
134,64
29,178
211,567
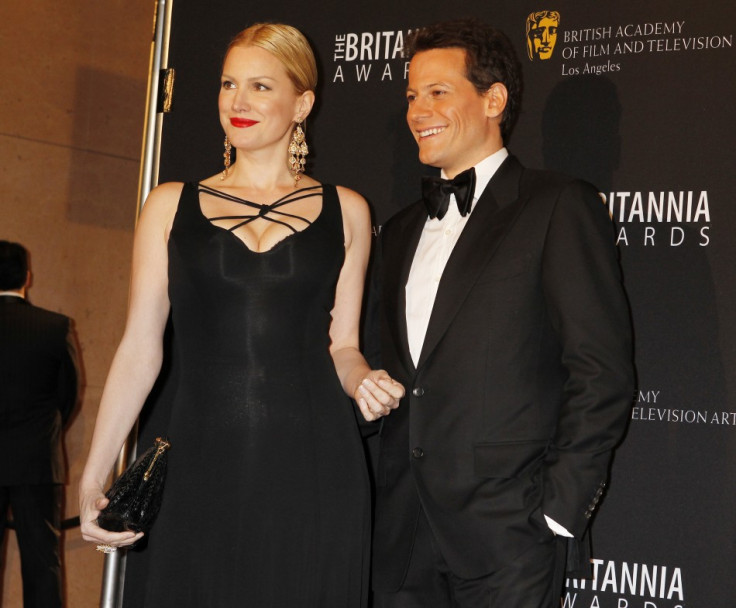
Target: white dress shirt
x,y
436,243
435,246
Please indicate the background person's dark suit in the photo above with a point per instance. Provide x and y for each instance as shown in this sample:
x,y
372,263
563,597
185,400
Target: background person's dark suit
x,y
38,390
524,382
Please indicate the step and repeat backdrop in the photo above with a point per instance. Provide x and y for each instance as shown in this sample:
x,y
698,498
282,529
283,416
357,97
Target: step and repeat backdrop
x,y
636,97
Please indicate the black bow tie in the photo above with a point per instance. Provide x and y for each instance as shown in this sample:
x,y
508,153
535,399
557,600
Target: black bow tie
x,y
436,193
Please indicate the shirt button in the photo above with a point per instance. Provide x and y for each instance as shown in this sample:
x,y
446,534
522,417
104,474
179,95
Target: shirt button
x,y
417,452
418,391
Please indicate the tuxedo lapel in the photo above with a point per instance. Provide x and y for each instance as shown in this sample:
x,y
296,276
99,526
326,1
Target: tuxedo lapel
x,y
494,213
399,253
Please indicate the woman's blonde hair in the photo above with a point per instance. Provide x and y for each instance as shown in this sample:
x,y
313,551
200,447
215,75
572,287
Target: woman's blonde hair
x,y
288,45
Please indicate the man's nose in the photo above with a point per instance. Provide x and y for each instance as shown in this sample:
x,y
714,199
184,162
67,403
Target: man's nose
x,y
419,108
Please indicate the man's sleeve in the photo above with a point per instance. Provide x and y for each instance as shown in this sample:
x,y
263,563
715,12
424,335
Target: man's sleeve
x,y
69,375
590,314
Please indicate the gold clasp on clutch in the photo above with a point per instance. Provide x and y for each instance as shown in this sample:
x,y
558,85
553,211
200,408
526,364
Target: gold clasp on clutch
x,y
161,446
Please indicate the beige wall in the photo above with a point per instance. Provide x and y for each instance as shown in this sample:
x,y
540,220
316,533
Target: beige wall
x,y
73,77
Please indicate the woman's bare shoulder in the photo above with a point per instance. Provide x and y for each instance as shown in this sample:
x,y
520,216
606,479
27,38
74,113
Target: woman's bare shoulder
x,y
354,206
163,199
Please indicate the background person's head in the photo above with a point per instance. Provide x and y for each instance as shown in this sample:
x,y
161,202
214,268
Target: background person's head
x,y
13,266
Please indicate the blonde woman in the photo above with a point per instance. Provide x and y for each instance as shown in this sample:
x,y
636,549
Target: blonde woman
x,y
266,501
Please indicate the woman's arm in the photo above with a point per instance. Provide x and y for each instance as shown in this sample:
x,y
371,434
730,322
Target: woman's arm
x,y
374,390
137,361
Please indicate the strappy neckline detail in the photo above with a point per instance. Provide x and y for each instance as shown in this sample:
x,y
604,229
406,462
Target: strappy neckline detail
x,y
262,212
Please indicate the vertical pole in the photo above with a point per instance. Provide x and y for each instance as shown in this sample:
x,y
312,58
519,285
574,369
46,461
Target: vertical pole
x,y
151,152
114,569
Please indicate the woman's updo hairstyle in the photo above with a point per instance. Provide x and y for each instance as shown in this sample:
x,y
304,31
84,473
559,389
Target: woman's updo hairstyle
x,y
288,45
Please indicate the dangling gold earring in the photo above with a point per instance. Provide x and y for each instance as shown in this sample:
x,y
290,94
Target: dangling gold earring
x,y
226,156
298,150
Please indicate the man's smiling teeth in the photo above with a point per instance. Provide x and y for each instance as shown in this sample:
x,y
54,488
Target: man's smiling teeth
x,y
433,131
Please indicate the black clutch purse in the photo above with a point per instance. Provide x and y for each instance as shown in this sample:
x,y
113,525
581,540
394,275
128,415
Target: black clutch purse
x,y
135,497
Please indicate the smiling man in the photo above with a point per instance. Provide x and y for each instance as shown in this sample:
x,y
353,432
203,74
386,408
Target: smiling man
x,y
504,316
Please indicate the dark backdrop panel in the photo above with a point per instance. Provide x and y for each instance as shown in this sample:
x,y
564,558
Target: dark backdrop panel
x,y
637,98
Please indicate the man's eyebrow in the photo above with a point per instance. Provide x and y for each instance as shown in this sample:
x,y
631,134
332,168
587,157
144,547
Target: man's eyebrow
x,y
438,83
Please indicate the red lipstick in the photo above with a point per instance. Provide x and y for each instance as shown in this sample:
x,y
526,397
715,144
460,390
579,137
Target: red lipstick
x,y
242,123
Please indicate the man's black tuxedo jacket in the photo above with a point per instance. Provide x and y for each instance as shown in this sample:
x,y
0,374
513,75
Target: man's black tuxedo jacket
x,y
524,383
38,390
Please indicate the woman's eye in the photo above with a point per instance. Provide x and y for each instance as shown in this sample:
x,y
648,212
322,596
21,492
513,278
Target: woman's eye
x,y
227,84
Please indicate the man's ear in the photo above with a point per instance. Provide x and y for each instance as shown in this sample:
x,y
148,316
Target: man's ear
x,y
496,97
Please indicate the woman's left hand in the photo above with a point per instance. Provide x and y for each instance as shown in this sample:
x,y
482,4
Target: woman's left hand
x,y
378,394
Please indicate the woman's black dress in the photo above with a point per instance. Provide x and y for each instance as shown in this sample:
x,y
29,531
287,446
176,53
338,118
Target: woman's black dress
x,y
267,500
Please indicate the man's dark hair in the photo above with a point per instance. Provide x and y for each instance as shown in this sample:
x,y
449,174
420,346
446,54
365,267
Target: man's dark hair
x,y
489,58
13,265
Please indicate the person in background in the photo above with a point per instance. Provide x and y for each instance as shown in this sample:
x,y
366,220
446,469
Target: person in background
x,y
38,391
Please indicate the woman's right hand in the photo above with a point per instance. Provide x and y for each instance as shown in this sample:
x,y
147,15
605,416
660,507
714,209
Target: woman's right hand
x,y
137,361
91,502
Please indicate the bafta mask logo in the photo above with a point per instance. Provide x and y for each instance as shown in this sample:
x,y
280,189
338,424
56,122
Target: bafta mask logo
x,y
541,34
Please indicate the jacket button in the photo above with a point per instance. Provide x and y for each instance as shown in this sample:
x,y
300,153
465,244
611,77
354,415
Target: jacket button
x,y
417,452
417,391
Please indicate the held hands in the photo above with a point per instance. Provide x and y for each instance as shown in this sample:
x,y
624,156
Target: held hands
x,y
91,502
378,394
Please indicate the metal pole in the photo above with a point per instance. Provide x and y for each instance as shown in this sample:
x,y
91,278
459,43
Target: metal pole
x,y
151,153
114,569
